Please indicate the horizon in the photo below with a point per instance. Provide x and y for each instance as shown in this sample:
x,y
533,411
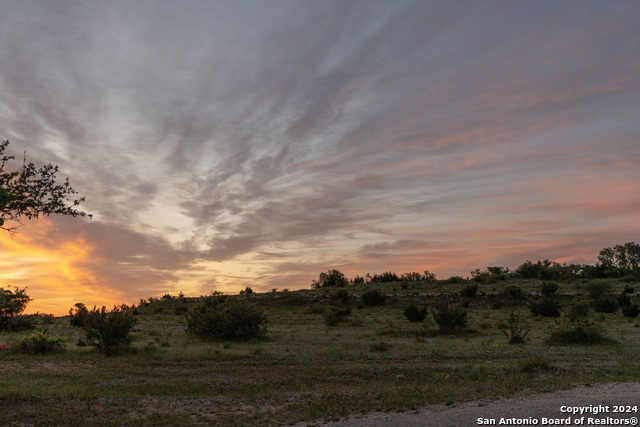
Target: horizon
x,y
232,144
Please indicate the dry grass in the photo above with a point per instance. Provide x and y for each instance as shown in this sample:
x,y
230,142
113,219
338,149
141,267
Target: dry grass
x,y
306,370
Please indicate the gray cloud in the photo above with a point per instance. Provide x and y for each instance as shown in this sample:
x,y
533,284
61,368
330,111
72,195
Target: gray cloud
x,y
205,131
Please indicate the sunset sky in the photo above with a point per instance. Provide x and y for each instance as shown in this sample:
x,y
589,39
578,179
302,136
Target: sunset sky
x,y
224,144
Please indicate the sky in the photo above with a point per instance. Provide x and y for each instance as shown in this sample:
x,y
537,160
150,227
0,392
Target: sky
x,y
225,144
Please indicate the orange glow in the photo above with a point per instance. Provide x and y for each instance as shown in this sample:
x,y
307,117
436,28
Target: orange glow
x,y
57,273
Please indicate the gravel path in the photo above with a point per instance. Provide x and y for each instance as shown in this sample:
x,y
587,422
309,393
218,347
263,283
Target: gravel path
x,y
537,409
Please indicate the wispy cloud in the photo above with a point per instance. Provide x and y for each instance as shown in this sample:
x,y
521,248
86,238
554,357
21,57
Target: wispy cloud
x,y
227,144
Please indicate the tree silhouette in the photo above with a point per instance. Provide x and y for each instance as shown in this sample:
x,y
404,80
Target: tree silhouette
x,y
30,192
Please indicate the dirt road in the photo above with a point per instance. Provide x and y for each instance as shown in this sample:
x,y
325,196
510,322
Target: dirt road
x,y
600,405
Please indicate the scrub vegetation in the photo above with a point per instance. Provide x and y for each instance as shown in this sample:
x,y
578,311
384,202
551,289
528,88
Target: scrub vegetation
x,y
282,357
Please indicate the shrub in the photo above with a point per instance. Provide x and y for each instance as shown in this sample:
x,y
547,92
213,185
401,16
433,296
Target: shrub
x,y
549,289
449,319
217,318
605,305
40,342
372,297
108,331
514,331
548,306
341,296
334,315
415,314
47,319
386,277
534,364
469,291
631,310
428,276
332,278
491,275
12,304
577,332
512,294
379,346
20,323
623,300
578,310
413,276
599,289
628,289
180,308
454,280
358,280
78,317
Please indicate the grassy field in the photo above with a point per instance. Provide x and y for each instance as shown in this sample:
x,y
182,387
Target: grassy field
x,y
305,371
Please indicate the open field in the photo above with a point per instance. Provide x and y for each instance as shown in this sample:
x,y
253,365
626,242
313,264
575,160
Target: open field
x,y
376,360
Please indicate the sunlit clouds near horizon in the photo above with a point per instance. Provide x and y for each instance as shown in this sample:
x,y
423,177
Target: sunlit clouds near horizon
x,y
228,144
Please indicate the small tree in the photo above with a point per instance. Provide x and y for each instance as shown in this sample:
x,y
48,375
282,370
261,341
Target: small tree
x,y
449,319
372,297
548,305
335,314
108,331
12,303
331,279
620,260
415,314
31,192
216,318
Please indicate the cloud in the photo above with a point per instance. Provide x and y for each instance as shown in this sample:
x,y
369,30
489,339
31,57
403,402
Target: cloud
x,y
220,143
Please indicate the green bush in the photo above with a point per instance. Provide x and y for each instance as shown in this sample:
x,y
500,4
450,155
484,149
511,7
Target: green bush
x,y
40,342
549,289
631,310
454,280
334,315
372,297
469,291
386,277
577,332
512,294
220,319
548,306
108,331
578,310
415,314
47,319
491,275
330,279
599,289
21,322
341,296
449,319
533,364
623,300
358,280
605,304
